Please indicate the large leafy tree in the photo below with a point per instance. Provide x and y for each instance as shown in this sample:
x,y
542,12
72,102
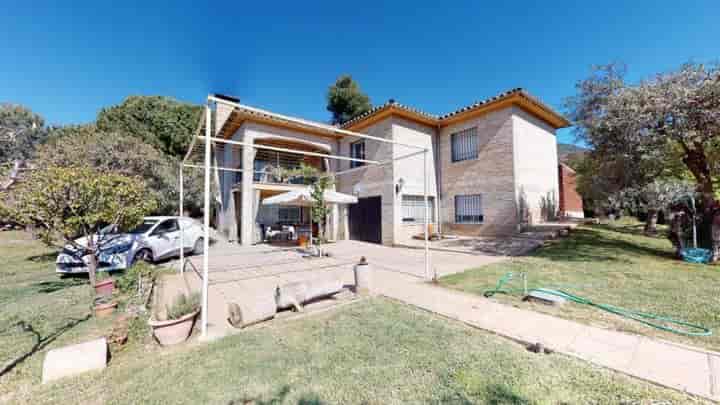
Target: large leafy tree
x,y
21,130
671,120
68,202
163,122
122,154
345,100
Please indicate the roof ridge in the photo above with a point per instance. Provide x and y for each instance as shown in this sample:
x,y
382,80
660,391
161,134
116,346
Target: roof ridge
x,y
440,117
390,103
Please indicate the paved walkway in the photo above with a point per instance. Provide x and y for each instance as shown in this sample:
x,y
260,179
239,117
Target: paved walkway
x,y
672,365
398,274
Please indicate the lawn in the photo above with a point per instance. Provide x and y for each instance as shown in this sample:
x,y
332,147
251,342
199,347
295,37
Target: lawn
x,y
613,264
374,351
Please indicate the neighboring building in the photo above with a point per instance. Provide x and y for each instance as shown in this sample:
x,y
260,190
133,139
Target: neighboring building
x,y
493,168
571,205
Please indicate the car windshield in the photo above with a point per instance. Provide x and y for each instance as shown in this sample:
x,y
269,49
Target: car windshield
x,y
144,227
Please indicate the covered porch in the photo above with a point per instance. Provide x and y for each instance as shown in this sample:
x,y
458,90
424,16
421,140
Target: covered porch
x,y
243,218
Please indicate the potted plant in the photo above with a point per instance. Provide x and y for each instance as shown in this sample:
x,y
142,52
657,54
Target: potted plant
x,y
179,322
104,285
104,306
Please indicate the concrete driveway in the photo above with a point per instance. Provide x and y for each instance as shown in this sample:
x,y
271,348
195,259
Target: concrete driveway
x,y
239,274
409,260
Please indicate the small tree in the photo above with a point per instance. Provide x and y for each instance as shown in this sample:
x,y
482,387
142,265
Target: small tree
x,y
320,209
657,196
122,154
318,183
68,202
345,100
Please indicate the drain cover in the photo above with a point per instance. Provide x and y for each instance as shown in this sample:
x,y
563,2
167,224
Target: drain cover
x,y
544,298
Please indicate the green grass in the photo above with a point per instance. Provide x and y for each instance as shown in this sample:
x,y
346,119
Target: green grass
x,y
617,265
41,311
57,310
373,352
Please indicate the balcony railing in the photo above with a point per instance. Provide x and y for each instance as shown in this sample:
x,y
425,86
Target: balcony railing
x,y
271,177
270,167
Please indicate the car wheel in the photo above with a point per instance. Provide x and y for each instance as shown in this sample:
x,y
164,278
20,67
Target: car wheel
x,y
198,247
143,255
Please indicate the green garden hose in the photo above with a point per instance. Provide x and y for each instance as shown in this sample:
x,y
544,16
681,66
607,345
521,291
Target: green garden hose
x,y
642,317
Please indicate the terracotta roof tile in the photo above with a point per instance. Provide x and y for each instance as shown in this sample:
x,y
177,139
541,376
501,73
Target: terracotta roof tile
x,y
440,118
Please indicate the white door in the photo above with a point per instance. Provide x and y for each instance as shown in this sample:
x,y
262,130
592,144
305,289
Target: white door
x,y
165,239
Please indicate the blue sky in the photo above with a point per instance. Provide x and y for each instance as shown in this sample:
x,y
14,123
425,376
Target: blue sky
x,y
66,60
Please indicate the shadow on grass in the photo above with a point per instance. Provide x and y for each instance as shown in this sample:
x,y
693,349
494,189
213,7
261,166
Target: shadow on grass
x,y
279,398
590,245
635,230
40,341
46,257
47,287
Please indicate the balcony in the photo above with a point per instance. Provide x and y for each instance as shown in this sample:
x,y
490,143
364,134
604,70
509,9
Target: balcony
x,y
279,168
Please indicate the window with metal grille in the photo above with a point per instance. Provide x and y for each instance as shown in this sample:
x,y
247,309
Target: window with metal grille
x,y
413,209
464,145
468,209
357,151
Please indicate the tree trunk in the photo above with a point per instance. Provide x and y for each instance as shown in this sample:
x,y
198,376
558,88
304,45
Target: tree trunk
x,y
715,236
651,222
697,162
92,266
675,234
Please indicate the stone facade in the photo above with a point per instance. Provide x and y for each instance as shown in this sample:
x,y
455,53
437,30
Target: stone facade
x,y
490,175
515,172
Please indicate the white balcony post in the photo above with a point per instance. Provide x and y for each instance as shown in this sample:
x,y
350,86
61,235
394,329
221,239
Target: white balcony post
x,y
206,223
426,221
180,221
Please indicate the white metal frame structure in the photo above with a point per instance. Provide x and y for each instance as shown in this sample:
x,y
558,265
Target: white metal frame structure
x,y
207,166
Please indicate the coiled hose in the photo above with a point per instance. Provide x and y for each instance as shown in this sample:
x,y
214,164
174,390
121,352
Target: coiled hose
x,y
652,320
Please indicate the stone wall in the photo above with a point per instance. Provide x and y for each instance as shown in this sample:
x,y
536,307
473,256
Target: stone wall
x,y
490,175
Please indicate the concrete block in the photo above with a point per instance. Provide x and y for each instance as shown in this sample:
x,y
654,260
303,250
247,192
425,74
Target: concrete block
x,y
545,298
76,359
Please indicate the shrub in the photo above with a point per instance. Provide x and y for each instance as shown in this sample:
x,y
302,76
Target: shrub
x,y
183,305
128,282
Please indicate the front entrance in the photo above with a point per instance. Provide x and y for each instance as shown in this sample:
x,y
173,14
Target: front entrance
x,y
366,219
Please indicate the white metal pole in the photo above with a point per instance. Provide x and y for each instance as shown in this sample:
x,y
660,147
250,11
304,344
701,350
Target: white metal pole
x,y
692,201
206,223
180,222
427,210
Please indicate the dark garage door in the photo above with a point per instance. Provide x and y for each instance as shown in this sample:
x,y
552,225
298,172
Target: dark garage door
x,y
365,220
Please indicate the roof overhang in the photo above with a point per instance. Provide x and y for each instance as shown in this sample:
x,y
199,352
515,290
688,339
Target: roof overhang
x,y
517,97
391,110
239,116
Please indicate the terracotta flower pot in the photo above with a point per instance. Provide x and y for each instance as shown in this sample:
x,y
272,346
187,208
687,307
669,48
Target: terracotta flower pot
x,y
105,310
104,288
173,331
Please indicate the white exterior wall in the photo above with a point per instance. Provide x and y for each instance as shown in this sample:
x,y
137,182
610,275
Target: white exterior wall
x,y
248,196
410,170
372,180
536,166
